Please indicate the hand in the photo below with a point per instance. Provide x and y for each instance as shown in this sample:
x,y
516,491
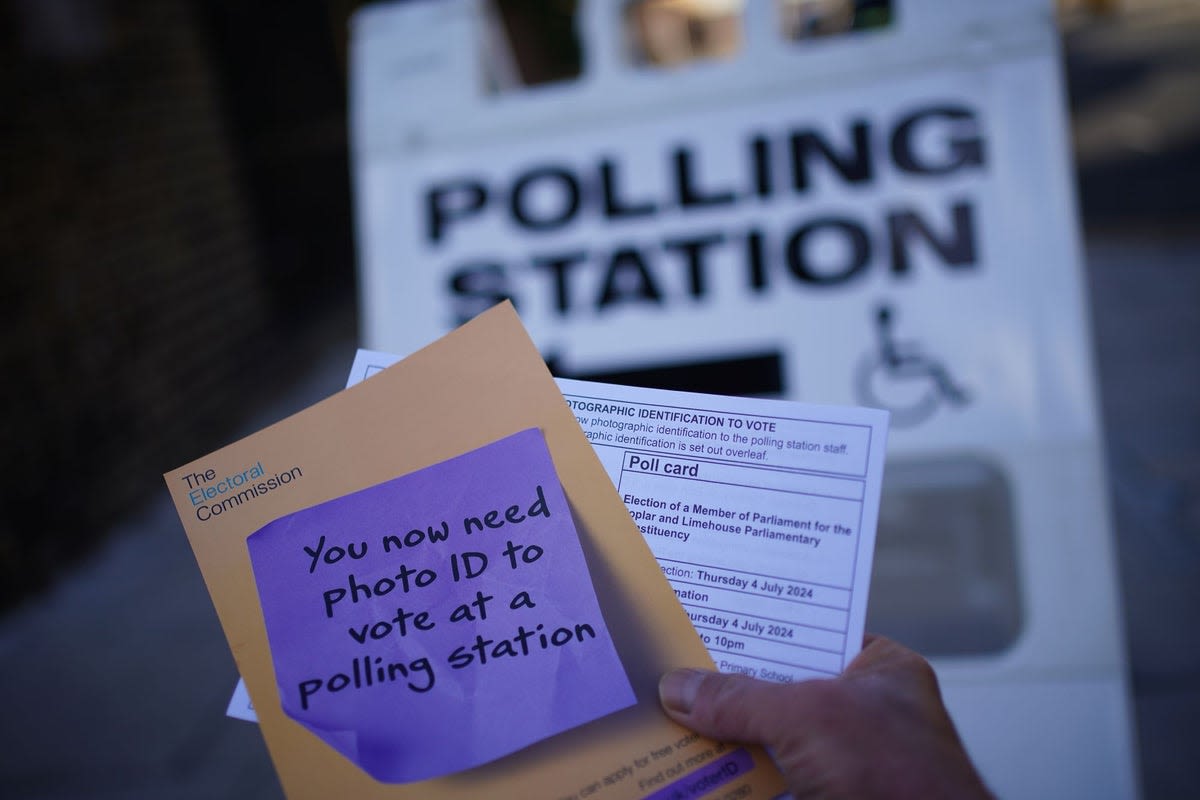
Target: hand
x,y
879,730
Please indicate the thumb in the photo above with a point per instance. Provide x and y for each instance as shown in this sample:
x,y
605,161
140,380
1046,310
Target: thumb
x,y
730,708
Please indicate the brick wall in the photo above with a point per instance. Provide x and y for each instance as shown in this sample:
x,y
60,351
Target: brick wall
x,y
132,302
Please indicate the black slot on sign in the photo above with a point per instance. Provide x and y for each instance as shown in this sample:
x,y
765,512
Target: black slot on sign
x,y
750,374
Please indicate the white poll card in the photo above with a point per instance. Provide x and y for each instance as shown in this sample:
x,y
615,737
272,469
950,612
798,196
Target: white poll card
x,y
761,514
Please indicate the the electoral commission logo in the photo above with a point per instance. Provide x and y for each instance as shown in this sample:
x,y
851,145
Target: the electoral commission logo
x,y
212,495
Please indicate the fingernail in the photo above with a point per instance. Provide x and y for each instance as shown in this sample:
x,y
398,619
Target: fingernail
x,y
678,688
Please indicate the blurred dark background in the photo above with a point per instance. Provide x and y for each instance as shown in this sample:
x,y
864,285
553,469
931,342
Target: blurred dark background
x,y
178,267
175,234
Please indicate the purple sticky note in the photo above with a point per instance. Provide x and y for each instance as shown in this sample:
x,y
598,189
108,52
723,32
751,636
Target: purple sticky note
x,y
439,620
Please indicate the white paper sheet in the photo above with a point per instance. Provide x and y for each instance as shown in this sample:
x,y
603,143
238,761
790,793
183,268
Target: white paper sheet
x,y
761,514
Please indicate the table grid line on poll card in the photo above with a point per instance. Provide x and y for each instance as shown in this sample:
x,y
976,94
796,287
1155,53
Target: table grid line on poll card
x,y
796,656
715,568
760,595
805,653
775,661
854,573
842,631
797,645
836,619
759,488
763,659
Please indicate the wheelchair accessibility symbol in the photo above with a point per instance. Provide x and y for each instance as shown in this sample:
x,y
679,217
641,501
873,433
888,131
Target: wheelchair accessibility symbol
x,y
903,379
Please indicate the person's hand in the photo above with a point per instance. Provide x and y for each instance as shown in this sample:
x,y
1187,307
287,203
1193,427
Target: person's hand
x,y
879,730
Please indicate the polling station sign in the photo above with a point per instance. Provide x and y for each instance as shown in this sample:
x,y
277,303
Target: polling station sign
x,y
740,237
711,217
856,245
881,219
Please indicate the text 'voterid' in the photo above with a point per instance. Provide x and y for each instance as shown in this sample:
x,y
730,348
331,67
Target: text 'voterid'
x,y
404,614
